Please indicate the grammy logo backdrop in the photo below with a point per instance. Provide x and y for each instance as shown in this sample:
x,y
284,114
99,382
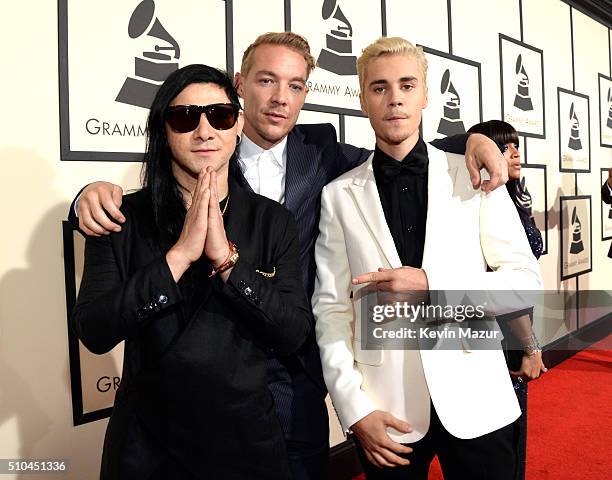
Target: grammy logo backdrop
x,y
337,31
94,379
574,131
605,110
113,57
454,95
576,235
522,86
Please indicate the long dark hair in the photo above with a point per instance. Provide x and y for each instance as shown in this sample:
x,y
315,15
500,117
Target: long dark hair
x,y
157,177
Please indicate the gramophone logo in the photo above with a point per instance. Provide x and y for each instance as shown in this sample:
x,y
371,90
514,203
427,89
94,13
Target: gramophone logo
x,y
154,66
523,196
337,56
450,123
574,140
522,100
609,122
576,246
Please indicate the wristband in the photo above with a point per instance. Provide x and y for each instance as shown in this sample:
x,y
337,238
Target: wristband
x,y
230,261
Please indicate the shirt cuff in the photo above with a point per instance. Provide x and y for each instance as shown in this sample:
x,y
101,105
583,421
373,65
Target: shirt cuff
x,y
76,204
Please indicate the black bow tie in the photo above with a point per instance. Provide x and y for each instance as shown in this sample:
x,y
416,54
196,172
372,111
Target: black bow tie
x,y
411,167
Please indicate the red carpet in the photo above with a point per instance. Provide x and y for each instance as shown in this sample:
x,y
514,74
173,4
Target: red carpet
x,y
570,420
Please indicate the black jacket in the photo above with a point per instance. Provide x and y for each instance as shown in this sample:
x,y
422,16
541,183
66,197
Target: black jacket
x,y
197,384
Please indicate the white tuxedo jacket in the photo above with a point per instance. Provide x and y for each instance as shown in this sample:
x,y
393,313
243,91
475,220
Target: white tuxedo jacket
x,y
466,230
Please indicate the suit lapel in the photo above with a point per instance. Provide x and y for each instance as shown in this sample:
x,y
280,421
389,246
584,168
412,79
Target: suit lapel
x,y
233,220
301,168
364,191
440,190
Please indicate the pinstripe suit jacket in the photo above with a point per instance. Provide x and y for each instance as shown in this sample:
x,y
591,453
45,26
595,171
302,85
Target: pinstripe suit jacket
x,y
314,158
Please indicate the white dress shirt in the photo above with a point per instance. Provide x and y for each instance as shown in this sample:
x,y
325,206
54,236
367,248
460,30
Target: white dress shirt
x,y
264,169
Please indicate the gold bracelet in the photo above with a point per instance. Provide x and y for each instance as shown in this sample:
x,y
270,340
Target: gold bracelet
x,y
230,261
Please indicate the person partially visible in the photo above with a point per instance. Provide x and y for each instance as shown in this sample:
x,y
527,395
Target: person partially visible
x,y
407,221
202,282
606,197
526,364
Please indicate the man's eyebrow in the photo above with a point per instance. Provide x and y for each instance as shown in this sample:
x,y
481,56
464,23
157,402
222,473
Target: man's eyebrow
x,y
265,72
410,78
272,74
378,82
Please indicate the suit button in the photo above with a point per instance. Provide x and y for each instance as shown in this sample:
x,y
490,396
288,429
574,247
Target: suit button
x,y
162,299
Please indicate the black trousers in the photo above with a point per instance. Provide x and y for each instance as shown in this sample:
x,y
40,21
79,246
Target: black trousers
x,y
489,457
308,466
302,412
513,360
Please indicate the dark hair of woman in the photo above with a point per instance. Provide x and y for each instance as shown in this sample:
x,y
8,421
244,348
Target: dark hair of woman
x,y
498,131
157,177
503,133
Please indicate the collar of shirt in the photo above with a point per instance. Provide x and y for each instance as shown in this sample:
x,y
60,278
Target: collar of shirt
x,y
250,153
264,170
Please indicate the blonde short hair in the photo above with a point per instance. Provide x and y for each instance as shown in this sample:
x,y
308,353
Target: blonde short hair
x,y
389,46
290,40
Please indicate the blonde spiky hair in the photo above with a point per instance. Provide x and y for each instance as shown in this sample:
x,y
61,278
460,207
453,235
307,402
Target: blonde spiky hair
x,y
389,46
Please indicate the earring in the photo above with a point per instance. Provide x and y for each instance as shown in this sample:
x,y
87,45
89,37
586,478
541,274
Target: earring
x,y
238,140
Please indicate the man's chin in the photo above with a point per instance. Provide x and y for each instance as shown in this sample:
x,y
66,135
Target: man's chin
x,y
275,134
397,139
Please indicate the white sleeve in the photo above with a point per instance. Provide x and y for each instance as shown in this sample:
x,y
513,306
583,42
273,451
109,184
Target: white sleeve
x,y
334,316
515,280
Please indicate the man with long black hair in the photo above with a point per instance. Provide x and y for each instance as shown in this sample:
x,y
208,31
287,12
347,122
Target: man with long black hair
x,y
201,283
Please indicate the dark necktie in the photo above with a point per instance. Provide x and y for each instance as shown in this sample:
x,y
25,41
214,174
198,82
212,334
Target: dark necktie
x,y
392,169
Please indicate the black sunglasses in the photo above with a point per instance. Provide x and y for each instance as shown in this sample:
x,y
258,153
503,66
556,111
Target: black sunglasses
x,y
186,118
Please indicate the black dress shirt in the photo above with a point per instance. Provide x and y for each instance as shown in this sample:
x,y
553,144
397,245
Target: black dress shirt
x,y
402,187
